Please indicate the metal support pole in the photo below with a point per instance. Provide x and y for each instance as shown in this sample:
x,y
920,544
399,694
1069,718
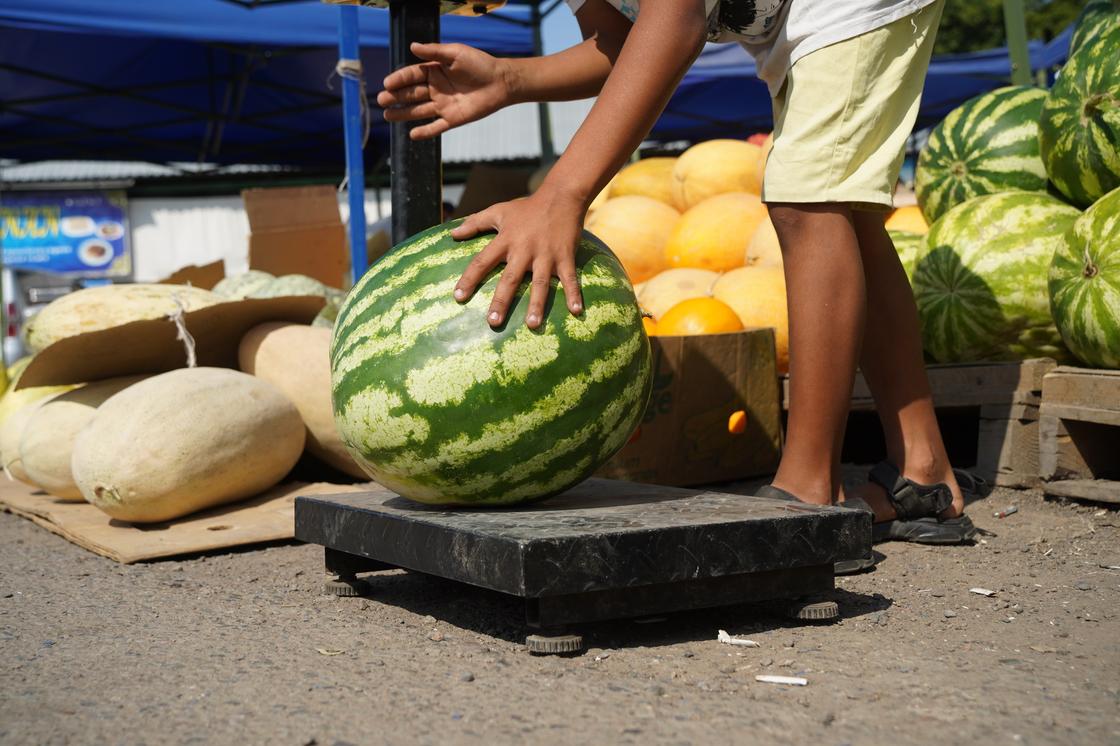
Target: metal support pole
x,y
353,130
548,149
1016,22
416,168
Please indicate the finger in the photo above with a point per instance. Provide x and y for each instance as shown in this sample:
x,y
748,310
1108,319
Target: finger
x,y
566,271
479,267
410,94
404,77
511,279
443,53
411,113
538,292
479,222
430,130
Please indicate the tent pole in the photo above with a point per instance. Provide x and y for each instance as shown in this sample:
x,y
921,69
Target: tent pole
x,y
1016,22
548,149
415,168
353,132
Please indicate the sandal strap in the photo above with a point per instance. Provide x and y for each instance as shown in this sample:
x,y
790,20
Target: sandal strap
x,y
910,499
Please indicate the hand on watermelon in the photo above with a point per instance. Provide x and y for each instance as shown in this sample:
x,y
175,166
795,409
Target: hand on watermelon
x,y
456,84
537,235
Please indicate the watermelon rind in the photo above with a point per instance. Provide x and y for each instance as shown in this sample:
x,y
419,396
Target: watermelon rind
x,y
1079,131
987,145
243,285
442,409
909,246
1085,284
980,282
289,285
1098,16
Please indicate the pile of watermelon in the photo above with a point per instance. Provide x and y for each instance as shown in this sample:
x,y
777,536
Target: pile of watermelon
x,y
1022,190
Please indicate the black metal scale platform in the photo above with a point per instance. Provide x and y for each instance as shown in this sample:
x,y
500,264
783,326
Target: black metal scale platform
x,y
603,550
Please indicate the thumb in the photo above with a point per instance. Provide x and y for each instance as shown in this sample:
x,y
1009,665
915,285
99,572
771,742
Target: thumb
x,y
479,222
445,54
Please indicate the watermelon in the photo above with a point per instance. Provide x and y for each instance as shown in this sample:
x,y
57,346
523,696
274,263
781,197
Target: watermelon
x,y
1096,17
437,406
288,285
243,285
1079,131
988,144
908,245
980,282
1085,284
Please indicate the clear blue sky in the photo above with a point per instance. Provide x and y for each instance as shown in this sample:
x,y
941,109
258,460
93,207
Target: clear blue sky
x,y
560,30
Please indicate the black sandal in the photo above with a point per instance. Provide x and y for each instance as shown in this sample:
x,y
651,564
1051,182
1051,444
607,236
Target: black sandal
x,y
840,567
918,508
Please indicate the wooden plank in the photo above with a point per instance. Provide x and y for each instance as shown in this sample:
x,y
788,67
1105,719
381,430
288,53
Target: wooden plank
x,y
1007,451
1083,387
1081,413
1098,490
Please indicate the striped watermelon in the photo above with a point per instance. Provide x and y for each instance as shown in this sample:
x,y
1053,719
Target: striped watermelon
x,y
980,283
1097,16
908,246
988,144
1085,284
440,408
1080,127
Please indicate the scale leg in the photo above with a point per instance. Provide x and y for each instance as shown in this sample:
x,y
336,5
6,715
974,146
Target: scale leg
x,y
557,641
813,610
345,568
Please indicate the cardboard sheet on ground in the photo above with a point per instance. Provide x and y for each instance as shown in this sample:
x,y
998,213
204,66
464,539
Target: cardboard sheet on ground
x,y
267,517
153,346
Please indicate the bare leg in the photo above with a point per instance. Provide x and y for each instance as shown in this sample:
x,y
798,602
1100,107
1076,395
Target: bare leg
x,y
827,298
892,363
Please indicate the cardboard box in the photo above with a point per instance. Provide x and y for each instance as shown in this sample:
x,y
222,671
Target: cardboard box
x,y
204,276
297,230
699,382
488,185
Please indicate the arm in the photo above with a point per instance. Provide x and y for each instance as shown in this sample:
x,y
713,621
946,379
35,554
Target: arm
x,y
539,234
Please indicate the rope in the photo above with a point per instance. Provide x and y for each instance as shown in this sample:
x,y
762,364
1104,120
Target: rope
x,y
352,70
181,332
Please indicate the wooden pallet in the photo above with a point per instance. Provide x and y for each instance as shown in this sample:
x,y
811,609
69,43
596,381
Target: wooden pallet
x,y
1079,434
989,414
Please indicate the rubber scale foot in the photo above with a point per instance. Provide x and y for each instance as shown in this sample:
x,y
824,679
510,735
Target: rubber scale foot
x,y
813,611
554,644
346,588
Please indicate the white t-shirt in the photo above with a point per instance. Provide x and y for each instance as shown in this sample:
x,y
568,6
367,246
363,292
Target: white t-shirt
x,y
784,31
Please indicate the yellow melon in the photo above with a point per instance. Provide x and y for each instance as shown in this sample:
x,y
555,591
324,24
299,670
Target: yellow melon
x,y
636,229
699,316
669,288
764,250
600,200
650,177
715,167
908,219
650,326
766,146
715,233
758,296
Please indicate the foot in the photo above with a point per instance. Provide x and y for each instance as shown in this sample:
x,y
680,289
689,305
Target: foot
x,y
876,497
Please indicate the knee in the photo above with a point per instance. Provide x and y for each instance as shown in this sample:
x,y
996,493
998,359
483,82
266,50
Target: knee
x,y
793,219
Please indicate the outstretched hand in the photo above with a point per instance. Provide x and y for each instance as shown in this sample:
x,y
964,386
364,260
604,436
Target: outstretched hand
x,y
455,85
536,235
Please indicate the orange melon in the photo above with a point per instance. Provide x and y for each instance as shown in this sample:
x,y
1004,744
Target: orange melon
x,y
764,249
670,287
637,230
715,233
758,297
699,316
760,171
715,167
650,326
908,219
650,177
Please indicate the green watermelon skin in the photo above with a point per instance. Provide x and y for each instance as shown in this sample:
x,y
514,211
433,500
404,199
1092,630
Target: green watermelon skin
x,y
1079,132
987,145
1096,17
909,246
289,285
980,282
442,409
242,285
1085,284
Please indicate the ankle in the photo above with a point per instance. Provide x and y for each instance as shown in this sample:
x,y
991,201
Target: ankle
x,y
925,466
814,493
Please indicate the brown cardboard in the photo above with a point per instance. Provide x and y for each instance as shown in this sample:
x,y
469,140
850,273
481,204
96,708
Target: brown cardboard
x,y
153,346
487,185
698,382
297,230
268,517
205,276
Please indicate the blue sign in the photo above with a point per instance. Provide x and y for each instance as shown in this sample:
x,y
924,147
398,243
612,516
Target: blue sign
x,y
74,233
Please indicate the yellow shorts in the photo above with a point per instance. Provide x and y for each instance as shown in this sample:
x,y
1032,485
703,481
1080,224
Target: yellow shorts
x,y
842,117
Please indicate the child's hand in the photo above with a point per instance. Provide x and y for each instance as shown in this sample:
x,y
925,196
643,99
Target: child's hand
x,y
457,84
537,234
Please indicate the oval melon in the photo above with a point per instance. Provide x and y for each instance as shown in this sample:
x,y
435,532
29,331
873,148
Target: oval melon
x,y
636,229
10,434
242,285
296,359
715,167
715,234
287,285
764,249
649,177
758,296
669,288
47,441
186,440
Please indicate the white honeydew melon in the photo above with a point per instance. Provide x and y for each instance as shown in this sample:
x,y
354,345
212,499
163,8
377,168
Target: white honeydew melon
x,y
186,440
48,438
296,359
10,433
14,399
106,306
665,290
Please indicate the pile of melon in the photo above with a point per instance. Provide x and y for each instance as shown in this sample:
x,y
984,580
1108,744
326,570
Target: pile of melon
x,y
697,242
148,448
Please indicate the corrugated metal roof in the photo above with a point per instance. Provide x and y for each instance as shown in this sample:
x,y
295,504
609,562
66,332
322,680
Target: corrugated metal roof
x,y
101,171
